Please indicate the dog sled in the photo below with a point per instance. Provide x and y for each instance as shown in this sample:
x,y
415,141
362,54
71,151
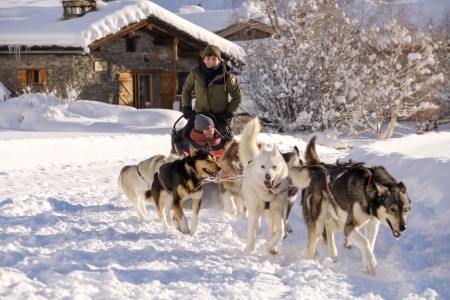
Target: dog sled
x,y
180,139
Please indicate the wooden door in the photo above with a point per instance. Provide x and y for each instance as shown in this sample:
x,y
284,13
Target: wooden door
x,y
126,89
168,90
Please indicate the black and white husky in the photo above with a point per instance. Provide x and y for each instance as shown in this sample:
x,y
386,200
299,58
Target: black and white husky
x,y
182,180
346,198
264,187
136,180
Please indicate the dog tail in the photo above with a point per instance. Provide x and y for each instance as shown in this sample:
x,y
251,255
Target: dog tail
x,y
311,156
249,148
301,176
120,178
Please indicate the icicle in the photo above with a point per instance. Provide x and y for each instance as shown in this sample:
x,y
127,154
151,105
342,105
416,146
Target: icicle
x,y
15,49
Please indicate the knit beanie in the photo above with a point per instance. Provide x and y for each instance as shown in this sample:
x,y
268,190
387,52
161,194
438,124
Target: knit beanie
x,y
212,50
201,122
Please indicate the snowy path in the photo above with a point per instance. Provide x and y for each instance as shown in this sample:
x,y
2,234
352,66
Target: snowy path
x,y
67,231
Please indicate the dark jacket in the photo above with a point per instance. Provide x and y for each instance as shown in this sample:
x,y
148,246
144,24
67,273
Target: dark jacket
x,y
212,97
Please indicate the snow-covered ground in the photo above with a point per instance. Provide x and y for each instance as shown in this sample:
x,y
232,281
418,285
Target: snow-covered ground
x,y
67,232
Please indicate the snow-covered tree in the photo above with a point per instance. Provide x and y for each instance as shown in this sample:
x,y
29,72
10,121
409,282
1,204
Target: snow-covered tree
x,y
323,70
292,78
394,76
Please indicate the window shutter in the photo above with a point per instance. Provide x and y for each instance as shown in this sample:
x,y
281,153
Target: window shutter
x,y
43,76
22,77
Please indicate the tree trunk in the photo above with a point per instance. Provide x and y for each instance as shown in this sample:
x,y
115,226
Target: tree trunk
x,y
391,125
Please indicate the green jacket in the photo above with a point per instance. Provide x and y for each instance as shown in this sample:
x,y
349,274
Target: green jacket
x,y
214,97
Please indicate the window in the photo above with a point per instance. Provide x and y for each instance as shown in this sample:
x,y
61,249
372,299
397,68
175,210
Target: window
x,y
131,44
28,77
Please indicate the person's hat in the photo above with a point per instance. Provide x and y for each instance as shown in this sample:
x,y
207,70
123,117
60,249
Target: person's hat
x,y
211,50
201,122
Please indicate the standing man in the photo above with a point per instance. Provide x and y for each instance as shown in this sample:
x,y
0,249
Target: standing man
x,y
212,83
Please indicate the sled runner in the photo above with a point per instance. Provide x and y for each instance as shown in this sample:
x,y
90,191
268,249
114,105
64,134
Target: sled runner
x,y
180,139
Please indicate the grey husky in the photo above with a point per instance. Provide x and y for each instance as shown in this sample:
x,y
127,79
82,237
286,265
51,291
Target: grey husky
x,y
136,180
348,197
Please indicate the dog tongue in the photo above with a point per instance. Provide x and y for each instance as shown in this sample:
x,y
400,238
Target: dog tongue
x,y
396,233
268,184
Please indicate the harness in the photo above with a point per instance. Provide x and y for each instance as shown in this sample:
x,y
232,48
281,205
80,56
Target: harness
x,y
333,199
267,203
143,178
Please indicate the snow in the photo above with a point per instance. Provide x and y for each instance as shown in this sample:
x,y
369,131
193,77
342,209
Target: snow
x,y
213,20
37,24
68,232
191,9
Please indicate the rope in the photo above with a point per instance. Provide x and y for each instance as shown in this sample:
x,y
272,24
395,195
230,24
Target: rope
x,y
222,179
333,199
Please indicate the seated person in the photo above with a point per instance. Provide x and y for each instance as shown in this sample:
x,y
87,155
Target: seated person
x,y
205,132
200,130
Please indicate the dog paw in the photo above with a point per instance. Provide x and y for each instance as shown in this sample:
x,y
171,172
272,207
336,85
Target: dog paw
x,y
333,258
371,272
185,231
273,251
288,228
371,266
249,249
347,245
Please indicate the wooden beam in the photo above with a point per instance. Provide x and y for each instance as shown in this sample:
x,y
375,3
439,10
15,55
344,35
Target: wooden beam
x,y
97,44
184,54
174,68
163,41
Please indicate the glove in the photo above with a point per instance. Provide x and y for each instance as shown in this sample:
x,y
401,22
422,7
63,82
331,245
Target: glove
x,y
187,112
227,116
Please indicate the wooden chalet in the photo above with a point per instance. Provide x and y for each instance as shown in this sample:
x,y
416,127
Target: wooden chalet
x,y
249,30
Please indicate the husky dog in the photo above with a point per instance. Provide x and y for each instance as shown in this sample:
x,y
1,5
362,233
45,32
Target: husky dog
x,y
292,159
136,180
181,180
264,187
230,180
347,198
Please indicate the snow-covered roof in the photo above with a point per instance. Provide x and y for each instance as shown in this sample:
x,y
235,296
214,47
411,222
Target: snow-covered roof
x,y
43,25
213,20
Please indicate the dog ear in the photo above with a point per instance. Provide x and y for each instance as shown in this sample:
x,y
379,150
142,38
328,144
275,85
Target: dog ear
x,y
295,159
375,191
192,150
207,147
381,189
275,149
402,187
